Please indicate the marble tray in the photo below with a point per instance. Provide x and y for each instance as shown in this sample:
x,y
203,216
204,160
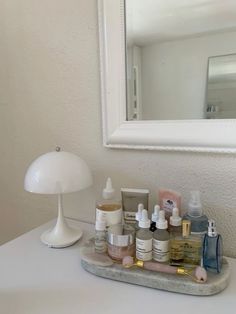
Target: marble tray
x,y
174,283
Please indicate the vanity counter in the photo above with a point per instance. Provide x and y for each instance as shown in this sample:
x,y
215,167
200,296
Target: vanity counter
x,y
38,279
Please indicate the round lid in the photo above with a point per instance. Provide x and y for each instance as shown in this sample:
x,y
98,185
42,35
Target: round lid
x,y
121,235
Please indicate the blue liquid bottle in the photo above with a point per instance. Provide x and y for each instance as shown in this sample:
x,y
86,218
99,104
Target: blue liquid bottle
x,y
212,249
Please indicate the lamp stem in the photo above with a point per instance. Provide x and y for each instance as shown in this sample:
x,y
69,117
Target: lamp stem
x,y
61,224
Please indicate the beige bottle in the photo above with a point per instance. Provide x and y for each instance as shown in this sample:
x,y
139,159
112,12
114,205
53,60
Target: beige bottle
x,y
109,209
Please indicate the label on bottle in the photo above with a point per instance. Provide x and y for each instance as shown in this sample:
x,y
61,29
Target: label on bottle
x,y
161,250
144,249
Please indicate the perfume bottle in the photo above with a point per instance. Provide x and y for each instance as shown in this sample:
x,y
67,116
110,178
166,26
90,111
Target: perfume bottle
x,y
199,221
185,249
212,249
144,238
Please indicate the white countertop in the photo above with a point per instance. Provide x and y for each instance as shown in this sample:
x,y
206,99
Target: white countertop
x,y
37,279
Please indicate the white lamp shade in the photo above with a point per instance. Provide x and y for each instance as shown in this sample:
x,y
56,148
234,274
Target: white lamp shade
x,y
57,173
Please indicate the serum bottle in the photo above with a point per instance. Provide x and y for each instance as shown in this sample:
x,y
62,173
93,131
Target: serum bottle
x,y
155,216
161,239
144,238
186,249
212,249
175,226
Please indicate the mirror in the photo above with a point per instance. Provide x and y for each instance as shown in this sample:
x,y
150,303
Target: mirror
x,y
171,132
168,44
221,87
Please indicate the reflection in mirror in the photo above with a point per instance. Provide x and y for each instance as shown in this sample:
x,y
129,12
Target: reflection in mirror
x,y
221,88
168,46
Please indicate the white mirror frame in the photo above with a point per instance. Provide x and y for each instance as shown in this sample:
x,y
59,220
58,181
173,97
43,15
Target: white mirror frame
x,y
169,135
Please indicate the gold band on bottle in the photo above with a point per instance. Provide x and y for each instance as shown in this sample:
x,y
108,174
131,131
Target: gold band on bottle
x,y
139,263
181,271
186,228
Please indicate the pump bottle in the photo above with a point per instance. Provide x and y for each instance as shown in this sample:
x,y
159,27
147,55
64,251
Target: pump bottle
x,y
199,221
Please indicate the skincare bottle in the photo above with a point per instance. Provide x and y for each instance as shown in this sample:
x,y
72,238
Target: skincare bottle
x,y
100,236
161,239
185,249
130,200
155,216
109,208
144,238
212,249
175,226
168,200
199,221
138,216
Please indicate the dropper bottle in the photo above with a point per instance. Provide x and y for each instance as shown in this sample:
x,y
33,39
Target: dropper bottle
x,y
155,216
161,239
175,226
138,216
199,221
109,208
144,238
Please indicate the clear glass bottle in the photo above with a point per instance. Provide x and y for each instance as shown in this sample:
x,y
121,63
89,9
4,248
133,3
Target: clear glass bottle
x,y
161,239
144,238
100,236
186,249
155,216
199,221
212,249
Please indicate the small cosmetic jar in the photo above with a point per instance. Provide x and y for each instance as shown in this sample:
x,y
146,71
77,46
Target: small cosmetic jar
x,y
121,241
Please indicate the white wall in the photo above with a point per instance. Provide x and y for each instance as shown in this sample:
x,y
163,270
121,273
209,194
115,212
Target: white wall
x,y
174,75
50,95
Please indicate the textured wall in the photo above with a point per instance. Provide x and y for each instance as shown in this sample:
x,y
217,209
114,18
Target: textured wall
x,y
50,95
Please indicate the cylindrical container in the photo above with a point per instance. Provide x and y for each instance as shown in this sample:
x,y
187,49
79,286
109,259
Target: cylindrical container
x,y
110,211
121,241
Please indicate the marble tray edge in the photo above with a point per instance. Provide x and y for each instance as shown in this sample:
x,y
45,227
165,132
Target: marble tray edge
x,y
172,283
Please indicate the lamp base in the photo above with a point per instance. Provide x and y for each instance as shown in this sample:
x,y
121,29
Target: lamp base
x,y
54,240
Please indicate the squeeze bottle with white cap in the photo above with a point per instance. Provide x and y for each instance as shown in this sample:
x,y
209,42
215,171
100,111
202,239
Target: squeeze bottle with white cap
x,y
199,221
144,238
161,239
109,208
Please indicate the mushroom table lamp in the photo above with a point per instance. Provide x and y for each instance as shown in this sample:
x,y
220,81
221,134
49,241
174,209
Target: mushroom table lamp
x,y
58,172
